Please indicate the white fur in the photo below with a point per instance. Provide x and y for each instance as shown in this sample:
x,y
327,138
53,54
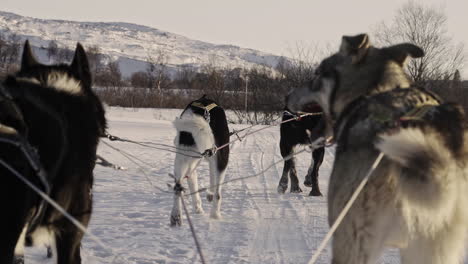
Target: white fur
x,y
427,218
19,249
59,81
42,236
185,165
198,127
427,204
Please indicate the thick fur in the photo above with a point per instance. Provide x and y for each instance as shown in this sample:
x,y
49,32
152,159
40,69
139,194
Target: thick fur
x,y
301,132
195,135
59,115
198,128
416,198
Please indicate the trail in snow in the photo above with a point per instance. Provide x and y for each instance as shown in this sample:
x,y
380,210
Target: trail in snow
x,y
258,225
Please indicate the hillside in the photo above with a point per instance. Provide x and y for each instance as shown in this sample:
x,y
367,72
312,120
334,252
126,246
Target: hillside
x,y
130,44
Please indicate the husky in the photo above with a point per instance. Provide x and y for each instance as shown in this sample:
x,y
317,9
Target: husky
x,y
416,198
201,127
52,109
300,132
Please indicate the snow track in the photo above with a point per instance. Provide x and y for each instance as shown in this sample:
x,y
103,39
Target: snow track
x,y
258,225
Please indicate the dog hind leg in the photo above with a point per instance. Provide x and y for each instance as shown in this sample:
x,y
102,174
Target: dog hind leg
x,y
218,179
317,156
182,167
193,186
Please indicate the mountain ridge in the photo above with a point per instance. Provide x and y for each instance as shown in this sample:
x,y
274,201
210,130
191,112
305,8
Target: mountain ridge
x,y
124,42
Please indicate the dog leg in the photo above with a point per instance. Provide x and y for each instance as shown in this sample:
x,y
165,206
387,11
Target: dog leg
x,y
213,182
176,211
193,186
317,156
183,165
216,209
293,175
310,172
283,183
68,244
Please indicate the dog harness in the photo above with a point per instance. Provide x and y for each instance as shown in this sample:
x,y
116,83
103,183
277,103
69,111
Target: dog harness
x,y
414,104
206,108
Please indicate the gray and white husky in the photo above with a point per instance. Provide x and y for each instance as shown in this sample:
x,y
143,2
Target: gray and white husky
x,y
416,198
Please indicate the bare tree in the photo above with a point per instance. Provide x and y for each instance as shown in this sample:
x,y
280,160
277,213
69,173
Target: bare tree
x,y
52,50
64,54
110,75
95,59
426,27
157,70
139,79
9,52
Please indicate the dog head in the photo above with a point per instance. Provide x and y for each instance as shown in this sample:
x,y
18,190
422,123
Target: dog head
x,y
356,70
74,78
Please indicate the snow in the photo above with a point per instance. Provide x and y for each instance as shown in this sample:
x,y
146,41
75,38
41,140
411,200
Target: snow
x,y
131,44
258,224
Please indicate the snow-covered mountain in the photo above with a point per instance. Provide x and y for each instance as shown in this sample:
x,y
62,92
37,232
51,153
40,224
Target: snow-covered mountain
x,y
131,44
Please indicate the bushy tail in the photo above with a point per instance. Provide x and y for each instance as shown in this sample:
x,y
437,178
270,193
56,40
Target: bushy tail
x,y
199,129
429,171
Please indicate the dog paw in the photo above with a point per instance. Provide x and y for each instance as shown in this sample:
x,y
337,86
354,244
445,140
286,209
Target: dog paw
x,y
315,192
282,188
296,189
215,215
176,220
199,210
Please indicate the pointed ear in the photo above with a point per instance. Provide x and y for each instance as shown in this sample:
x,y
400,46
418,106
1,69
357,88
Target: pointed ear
x,y
28,60
400,52
80,66
355,46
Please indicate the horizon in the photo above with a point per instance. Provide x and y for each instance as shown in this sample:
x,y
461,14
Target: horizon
x,y
268,26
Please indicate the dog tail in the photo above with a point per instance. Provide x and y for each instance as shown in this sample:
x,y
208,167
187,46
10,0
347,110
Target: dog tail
x,y
429,170
197,128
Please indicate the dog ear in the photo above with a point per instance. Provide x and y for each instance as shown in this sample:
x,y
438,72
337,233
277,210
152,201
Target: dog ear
x,y
28,60
80,66
355,46
400,52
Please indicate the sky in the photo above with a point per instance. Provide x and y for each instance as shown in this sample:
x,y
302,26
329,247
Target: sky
x,y
279,27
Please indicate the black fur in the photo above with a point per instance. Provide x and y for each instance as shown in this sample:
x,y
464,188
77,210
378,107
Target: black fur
x,y
65,129
185,138
301,132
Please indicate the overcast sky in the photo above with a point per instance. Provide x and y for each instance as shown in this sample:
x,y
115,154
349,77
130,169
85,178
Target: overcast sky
x,y
268,25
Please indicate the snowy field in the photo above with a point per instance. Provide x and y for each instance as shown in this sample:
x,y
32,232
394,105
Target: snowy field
x,y
258,224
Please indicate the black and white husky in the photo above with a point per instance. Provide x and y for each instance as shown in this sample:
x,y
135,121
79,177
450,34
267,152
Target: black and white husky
x,y
301,132
53,110
201,127
416,198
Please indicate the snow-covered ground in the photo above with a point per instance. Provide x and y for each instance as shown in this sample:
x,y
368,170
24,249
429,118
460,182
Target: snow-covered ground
x,y
258,224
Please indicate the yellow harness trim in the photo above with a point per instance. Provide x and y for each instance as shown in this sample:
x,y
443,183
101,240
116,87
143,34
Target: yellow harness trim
x,y
207,108
418,112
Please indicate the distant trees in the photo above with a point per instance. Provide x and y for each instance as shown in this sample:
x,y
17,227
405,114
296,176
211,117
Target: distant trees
x,y
52,50
95,58
9,53
426,27
156,70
